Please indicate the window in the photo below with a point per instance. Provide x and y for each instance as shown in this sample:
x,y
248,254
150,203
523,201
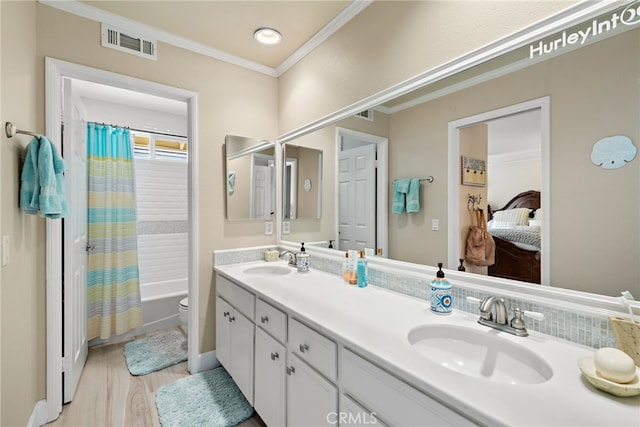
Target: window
x,y
159,147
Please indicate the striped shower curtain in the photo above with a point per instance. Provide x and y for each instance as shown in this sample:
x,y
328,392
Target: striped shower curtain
x,y
113,278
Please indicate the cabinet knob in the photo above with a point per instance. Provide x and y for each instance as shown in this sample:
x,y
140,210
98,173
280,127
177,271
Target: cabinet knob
x,y
264,319
232,318
274,356
304,347
225,314
290,370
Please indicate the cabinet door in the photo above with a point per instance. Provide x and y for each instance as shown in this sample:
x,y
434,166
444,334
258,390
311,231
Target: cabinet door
x,y
311,399
242,330
223,313
270,382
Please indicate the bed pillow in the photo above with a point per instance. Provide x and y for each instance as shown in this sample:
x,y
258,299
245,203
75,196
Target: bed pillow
x,y
538,214
519,215
535,223
500,224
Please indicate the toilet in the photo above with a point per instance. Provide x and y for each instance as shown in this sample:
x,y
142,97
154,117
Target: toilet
x,y
184,314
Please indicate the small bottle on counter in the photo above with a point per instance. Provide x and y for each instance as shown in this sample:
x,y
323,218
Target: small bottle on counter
x,y
362,271
347,271
302,260
353,267
441,293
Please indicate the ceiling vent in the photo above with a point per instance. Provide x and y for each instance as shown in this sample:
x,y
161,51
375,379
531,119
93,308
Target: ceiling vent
x,y
366,114
128,41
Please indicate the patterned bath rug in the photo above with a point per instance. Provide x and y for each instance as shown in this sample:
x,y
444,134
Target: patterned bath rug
x,y
208,399
156,352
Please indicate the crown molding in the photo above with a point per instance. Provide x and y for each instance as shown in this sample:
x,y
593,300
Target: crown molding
x,y
349,12
90,12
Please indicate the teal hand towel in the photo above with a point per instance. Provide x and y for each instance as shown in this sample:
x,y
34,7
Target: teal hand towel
x,y
53,202
400,189
29,182
413,196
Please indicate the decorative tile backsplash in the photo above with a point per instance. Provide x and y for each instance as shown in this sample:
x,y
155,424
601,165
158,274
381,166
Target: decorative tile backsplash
x,y
583,329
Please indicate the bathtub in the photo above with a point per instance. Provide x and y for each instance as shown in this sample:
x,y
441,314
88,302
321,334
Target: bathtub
x,y
160,303
159,309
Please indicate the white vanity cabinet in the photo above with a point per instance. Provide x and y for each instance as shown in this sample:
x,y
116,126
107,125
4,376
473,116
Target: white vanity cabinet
x,y
391,399
235,334
270,383
311,399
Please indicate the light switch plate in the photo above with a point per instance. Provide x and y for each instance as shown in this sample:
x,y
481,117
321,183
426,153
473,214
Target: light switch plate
x,y
435,225
6,247
286,227
268,228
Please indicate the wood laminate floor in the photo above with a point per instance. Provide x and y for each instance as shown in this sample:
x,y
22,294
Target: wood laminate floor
x,y
108,395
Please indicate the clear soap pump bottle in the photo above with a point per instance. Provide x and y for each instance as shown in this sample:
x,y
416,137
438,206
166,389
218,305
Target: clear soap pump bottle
x,y
302,260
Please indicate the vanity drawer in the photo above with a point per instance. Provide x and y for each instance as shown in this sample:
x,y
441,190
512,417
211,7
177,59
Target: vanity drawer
x,y
314,348
271,320
393,400
241,299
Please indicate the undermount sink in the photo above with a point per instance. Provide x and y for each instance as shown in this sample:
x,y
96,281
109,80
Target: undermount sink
x,y
479,354
273,270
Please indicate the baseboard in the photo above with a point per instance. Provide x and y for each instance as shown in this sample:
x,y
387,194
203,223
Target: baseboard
x,y
207,361
39,415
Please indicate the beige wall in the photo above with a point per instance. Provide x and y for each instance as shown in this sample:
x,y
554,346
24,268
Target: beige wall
x,y
391,41
23,290
309,162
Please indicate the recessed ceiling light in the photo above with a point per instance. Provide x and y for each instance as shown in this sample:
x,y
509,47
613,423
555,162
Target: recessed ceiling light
x,y
267,36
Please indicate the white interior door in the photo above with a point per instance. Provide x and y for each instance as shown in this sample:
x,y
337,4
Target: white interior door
x,y
357,198
262,192
74,137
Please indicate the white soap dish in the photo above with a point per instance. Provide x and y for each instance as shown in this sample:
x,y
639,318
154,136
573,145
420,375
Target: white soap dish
x,y
588,368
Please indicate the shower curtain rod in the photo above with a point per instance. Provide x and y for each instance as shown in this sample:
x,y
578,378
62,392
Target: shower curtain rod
x,y
142,130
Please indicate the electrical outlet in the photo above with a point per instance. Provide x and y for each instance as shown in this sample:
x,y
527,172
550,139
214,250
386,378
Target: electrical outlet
x,y
268,228
286,227
435,225
6,247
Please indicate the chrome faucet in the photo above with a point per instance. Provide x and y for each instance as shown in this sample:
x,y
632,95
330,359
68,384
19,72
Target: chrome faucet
x,y
497,318
486,310
292,257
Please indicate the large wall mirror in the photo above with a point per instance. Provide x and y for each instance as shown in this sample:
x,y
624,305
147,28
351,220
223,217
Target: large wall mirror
x,y
250,178
589,216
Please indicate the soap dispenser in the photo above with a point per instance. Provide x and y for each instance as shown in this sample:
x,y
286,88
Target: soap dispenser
x,y
441,293
302,260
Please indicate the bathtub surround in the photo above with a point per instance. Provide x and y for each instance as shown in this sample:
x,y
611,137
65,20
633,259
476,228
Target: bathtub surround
x,y
580,324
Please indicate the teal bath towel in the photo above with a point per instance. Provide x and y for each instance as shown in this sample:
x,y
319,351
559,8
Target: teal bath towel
x,y
29,186
400,190
413,196
42,186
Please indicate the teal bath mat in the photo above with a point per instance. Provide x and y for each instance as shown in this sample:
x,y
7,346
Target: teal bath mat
x,y
157,352
208,399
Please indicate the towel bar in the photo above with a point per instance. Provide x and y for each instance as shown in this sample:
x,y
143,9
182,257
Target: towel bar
x,y
11,130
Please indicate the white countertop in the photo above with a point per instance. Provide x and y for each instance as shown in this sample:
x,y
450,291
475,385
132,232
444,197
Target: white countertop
x,y
375,322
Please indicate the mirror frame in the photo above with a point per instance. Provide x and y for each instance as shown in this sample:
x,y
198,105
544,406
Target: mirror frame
x,y
569,17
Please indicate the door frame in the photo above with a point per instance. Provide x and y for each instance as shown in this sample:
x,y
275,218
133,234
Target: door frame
x,y
544,105
55,69
382,182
